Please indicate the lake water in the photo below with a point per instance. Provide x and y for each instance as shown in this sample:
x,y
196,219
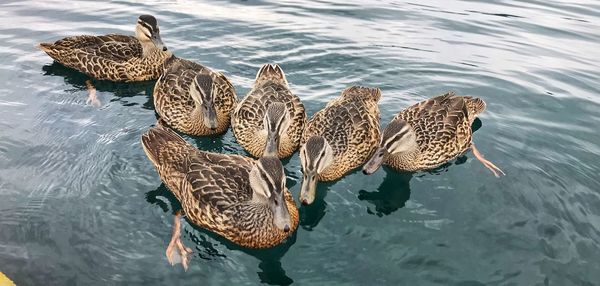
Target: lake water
x,y
80,204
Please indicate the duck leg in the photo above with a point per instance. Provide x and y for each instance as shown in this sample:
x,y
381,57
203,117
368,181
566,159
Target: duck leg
x,y
179,255
92,99
486,163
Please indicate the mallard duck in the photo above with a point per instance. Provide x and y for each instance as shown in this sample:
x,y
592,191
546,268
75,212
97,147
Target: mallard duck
x,y
429,134
243,200
114,57
270,119
339,138
194,99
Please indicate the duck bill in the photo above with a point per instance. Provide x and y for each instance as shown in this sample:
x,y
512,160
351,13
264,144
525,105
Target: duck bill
x,y
281,216
158,42
209,116
272,146
375,162
308,190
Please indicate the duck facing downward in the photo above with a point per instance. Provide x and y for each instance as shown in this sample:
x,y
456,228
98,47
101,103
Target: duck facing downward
x,y
339,138
114,57
269,121
194,99
243,200
429,134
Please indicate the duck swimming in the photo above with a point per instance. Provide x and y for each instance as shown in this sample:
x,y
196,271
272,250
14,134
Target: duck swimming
x,y
114,57
339,138
193,98
429,134
270,119
243,200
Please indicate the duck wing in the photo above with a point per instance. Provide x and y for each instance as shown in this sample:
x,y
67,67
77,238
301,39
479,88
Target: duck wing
x,y
218,182
442,125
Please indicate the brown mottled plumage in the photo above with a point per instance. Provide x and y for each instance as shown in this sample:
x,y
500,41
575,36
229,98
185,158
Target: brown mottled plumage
x,y
428,134
248,120
215,190
174,101
114,57
344,135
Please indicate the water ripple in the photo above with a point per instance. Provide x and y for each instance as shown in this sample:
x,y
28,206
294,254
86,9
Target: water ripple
x,y
81,204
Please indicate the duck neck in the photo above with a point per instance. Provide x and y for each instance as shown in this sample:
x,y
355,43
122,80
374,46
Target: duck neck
x,y
149,50
255,227
403,160
196,115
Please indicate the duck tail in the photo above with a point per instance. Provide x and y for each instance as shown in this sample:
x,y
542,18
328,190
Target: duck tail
x,y
271,72
475,105
373,93
45,46
156,139
49,48
169,63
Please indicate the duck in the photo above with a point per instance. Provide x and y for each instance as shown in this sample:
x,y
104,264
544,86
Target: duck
x,y
194,99
114,57
430,133
243,200
270,120
339,138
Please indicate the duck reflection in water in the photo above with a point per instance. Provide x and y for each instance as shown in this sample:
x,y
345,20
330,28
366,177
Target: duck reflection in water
x,y
83,82
204,241
311,215
393,193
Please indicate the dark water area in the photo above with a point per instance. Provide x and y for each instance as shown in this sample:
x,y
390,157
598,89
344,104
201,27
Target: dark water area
x,y
80,204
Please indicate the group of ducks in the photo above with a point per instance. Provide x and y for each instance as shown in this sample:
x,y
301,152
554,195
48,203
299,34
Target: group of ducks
x,y
246,200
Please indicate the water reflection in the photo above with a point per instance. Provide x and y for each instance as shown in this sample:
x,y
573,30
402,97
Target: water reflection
x,y
394,191
311,215
391,194
119,89
204,240
162,191
270,261
477,123
214,143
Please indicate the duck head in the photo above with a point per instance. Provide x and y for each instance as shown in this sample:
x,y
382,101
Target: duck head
x,y
146,31
398,137
276,122
267,180
201,92
315,155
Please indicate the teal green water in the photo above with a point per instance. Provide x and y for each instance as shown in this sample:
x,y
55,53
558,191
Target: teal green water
x,y
80,204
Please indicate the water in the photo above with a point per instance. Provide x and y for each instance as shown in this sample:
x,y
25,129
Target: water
x,y
80,204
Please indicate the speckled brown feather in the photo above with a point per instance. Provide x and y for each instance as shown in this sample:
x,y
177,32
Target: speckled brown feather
x,y
214,190
247,120
443,129
108,57
175,105
350,124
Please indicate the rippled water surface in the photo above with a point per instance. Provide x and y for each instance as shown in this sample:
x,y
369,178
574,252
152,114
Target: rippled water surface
x,y
80,204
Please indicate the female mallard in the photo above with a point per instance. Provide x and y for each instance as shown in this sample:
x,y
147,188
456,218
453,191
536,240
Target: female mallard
x,y
270,119
243,200
339,138
114,57
194,99
429,134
